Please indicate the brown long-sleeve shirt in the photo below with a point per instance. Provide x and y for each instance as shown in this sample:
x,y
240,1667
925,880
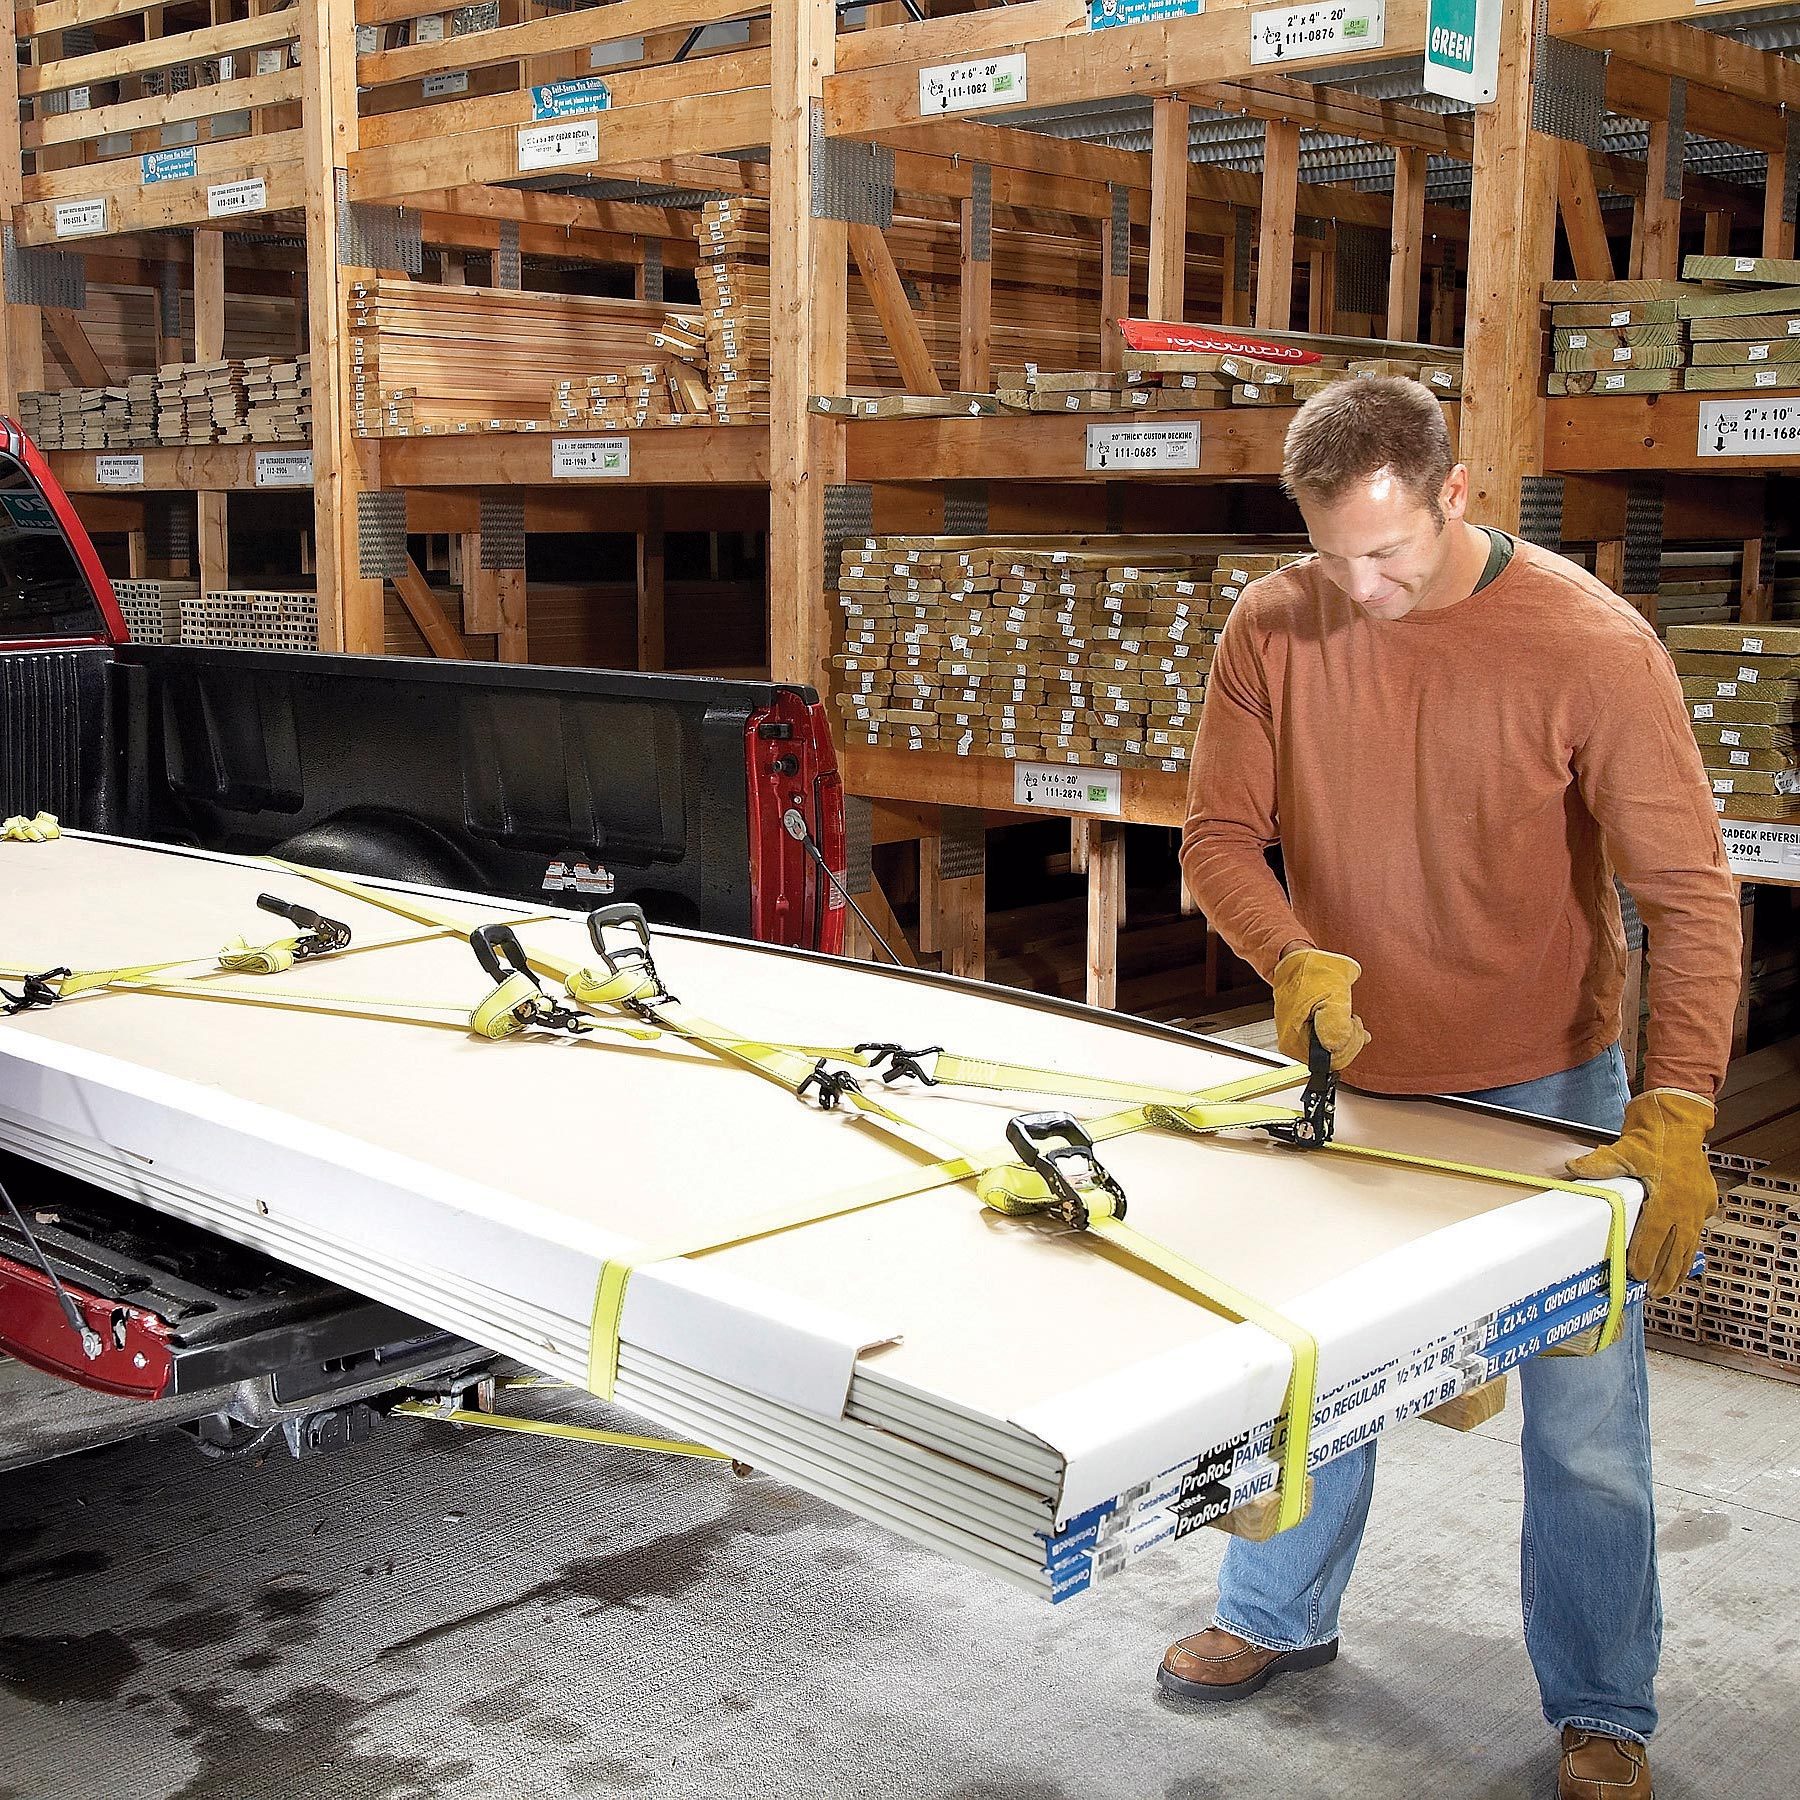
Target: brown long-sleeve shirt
x,y
1453,792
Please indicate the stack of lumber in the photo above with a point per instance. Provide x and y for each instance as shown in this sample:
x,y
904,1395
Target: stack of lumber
x,y
1231,376
1747,1303
251,619
734,292
1698,587
92,418
1055,649
1615,337
202,403
907,406
152,609
430,360
1744,331
278,399
1742,685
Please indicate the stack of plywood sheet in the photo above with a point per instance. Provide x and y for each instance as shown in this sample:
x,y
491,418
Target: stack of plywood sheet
x,y
1744,328
430,359
152,608
1742,685
251,619
1615,337
202,403
1075,650
278,399
92,418
734,294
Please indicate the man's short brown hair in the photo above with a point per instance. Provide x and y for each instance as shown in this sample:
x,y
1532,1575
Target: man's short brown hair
x,y
1356,428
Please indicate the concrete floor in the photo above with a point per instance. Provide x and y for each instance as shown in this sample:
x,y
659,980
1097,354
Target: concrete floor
x,y
441,1616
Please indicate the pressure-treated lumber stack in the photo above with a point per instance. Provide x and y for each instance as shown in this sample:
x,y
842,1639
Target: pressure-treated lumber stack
x,y
734,292
1615,337
1077,650
153,609
1744,333
92,418
1742,684
430,360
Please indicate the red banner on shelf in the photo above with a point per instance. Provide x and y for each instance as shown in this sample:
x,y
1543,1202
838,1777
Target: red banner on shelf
x,y
1211,340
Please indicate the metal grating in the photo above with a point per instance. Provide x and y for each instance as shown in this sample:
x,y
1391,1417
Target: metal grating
x,y
39,277
1790,187
1643,535
1361,269
851,181
963,848
506,257
859,844
965,509
1568,95
1242,234
168,298
381,534
1120,267
1676,157
1541,510
849,515
169,528
378,237
502,532
653,269
981,213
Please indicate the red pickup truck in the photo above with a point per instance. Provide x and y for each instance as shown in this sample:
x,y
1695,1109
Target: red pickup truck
x,y
712,804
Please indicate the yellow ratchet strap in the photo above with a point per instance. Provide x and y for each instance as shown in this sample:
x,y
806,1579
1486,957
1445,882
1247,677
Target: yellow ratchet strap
x,y
21,830
555,1428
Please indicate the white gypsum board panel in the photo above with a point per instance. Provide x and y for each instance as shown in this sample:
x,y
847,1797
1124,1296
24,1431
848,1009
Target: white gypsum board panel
x,y
998,1317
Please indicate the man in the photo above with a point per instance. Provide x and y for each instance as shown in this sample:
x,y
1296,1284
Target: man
x,y
1457,738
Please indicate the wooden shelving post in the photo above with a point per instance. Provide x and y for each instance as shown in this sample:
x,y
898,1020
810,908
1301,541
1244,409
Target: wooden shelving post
x,y
212,520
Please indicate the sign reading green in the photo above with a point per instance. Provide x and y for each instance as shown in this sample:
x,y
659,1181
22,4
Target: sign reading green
x,y
1462,49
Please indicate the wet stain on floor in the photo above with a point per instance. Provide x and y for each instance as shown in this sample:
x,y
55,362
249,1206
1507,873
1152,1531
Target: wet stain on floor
x,y
71,1566
56,1670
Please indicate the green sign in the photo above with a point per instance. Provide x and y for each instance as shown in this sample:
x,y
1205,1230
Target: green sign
x,y
1462,49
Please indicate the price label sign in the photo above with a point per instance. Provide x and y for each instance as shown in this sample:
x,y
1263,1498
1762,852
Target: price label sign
x,y
970,86
1462,49
284,468
552,146
1131,449
1749,427
1771,851
1067,788
437,86
80,218
119,471
230,198
590,458
1103,14
1294,33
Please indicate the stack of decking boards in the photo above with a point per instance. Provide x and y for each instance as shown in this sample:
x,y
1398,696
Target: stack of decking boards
x,y
429,360
153,608
1748,1300
1086,650
92,418
250,619
236,400
1742,687
733,274
1733,324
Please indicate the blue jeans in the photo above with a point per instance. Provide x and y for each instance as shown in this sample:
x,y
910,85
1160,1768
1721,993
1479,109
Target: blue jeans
x,y
1593,1612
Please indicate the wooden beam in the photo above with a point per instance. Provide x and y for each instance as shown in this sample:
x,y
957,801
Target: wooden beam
x,y
1777,230
1321,108
652,630
211,507
66,328
1579,202
157,53
974,307
1406,245
1722,63
1115,291
511,642
427,611
1168,208
875,263
1632,89
1512,236
1658,256
1275,233
1106,908
161,109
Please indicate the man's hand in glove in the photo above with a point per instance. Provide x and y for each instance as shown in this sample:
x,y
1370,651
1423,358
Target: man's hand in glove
x,y
1663,1145
1314,986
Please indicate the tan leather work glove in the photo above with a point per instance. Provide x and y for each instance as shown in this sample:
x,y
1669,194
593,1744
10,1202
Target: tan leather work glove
x,y
1315,985
1663,1145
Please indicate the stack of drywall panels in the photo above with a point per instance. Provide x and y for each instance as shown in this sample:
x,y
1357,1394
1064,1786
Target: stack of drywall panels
x,y
153,608
1076,650
1742,685
734,292
251,619
1615,337
92,418
1744,331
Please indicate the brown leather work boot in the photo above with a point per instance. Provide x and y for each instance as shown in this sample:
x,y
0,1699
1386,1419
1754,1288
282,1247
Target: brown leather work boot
x,y
1597,1767
1217,1664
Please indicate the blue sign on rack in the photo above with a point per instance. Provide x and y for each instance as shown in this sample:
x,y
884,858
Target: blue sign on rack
x,y
169,165
568,99
1103,14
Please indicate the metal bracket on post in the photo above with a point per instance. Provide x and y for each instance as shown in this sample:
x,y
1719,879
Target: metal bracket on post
x,y
378,237
965,509
962,848
1790,187
849,517
1120,266
653,269
859,844
1361,268
169,527
981,213
381,534
506,256
502,526
1541,510
42,277
1244,237
1674,166
851,180
168,295
1643,535
1568,88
